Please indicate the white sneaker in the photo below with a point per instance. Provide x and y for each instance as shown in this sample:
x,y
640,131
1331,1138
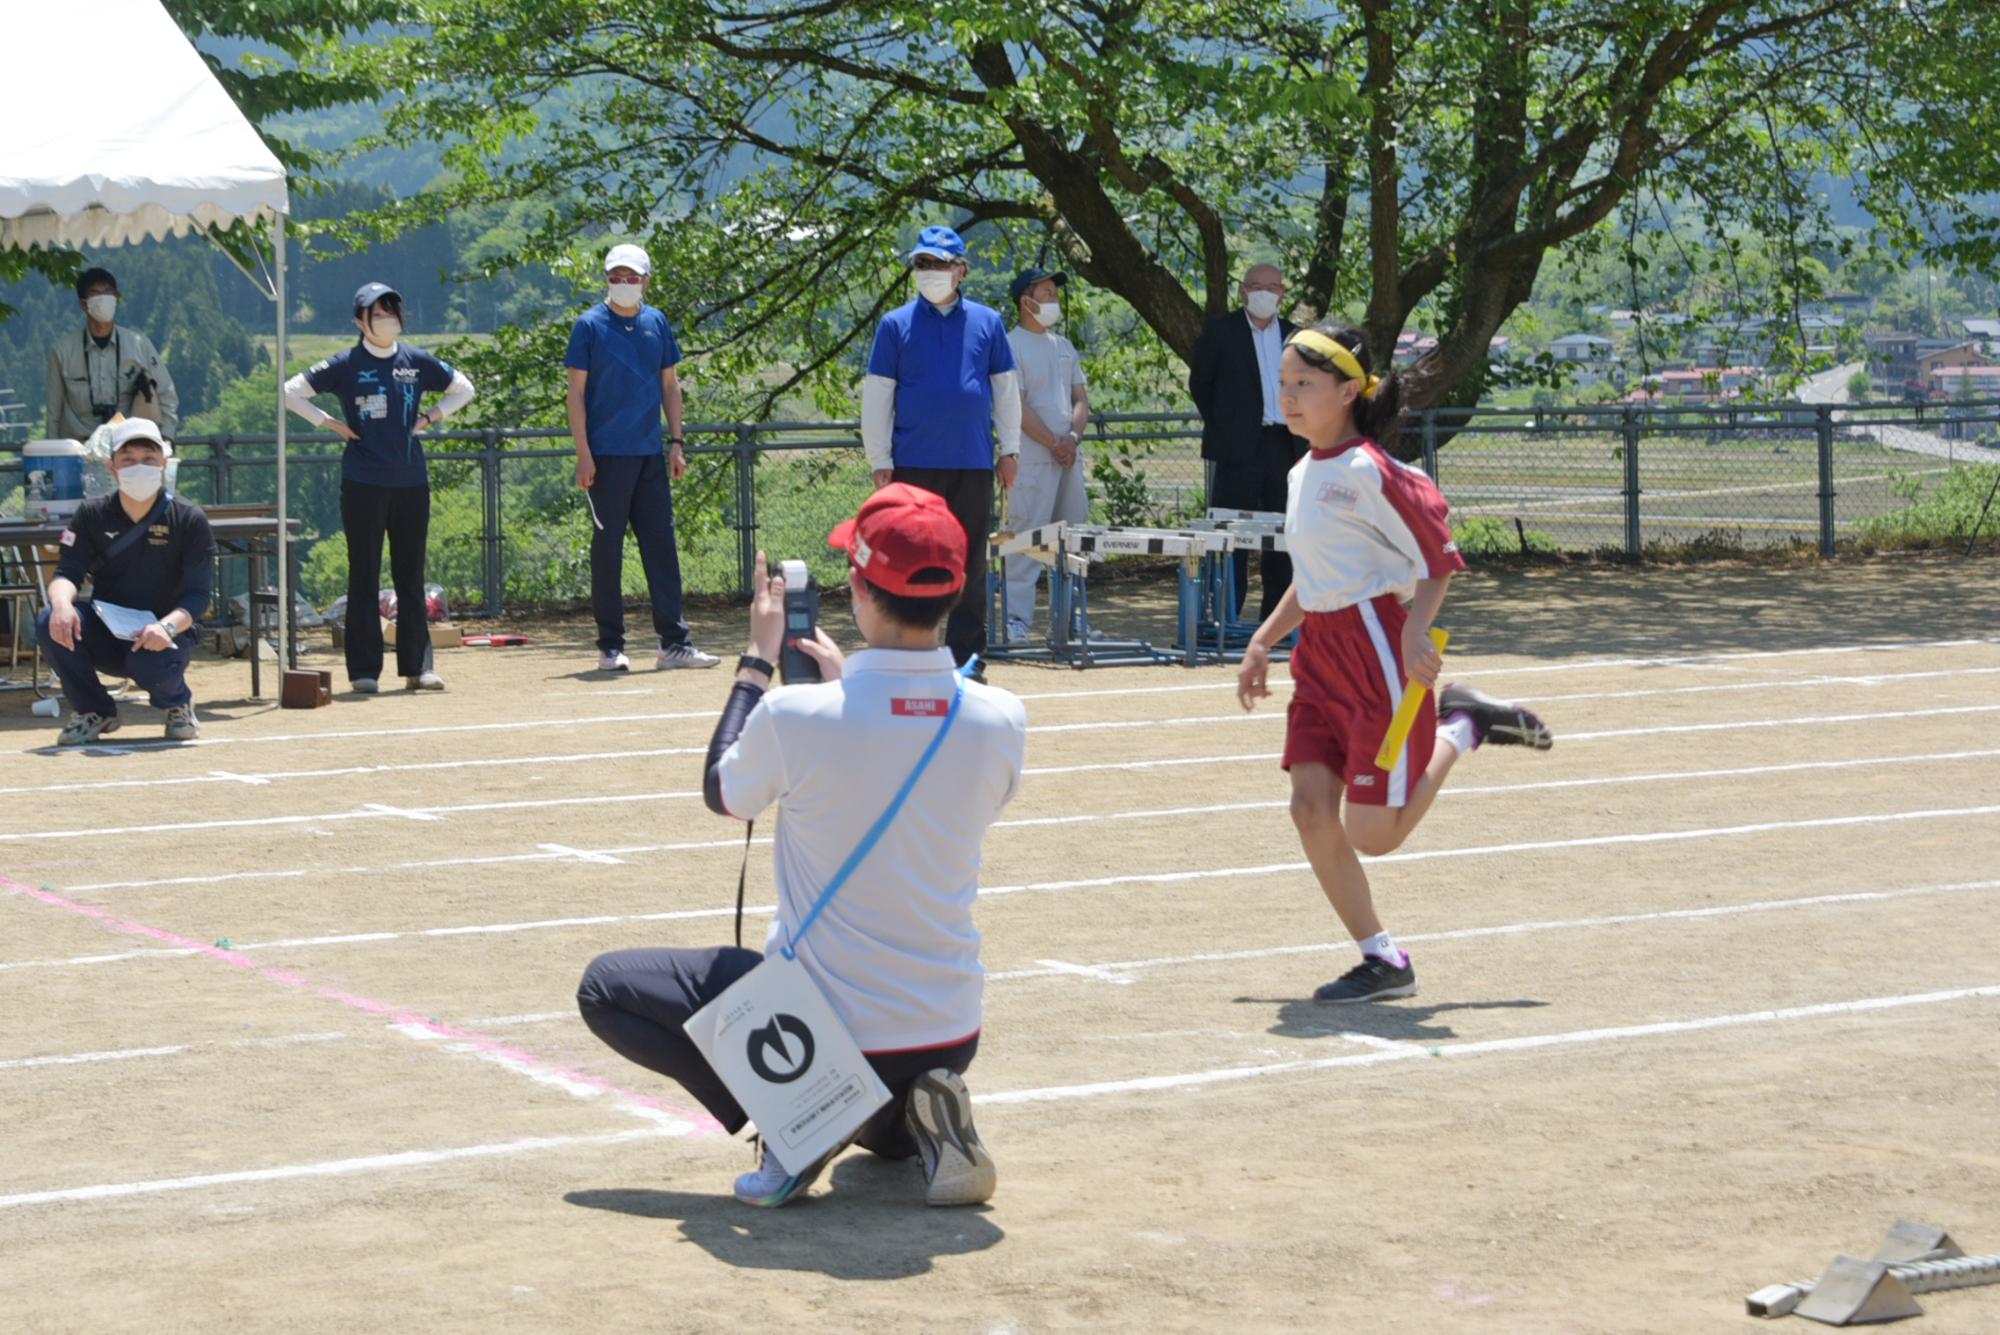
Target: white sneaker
x,y
614,663
182,725
771,1184
684,655
363,686
1017,631
429,681
958,1169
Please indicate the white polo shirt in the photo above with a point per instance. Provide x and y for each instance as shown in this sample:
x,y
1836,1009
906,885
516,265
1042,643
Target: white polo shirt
x,y
896,952
1050,371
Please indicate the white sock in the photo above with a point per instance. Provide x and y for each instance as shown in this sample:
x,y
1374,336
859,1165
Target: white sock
x,y
1458,732
1382,948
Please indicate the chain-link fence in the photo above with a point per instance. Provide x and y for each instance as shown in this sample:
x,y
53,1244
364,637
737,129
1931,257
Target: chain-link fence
x,y
509,526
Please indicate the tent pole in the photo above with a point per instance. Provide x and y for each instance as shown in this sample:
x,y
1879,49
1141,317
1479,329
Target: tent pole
x,y
287,652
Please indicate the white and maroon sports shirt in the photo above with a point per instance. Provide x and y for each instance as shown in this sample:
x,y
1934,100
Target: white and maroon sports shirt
x,y
896,952
1361,524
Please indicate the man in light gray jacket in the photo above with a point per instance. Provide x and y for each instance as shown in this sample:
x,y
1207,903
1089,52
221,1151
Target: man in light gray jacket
x,y
107,370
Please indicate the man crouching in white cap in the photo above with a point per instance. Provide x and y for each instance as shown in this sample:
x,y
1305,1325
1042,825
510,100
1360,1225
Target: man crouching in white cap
x,y
151,559
895,954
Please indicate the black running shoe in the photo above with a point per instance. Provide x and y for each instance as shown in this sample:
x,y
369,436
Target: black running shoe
x,y
1498,722
1371,980
958,1169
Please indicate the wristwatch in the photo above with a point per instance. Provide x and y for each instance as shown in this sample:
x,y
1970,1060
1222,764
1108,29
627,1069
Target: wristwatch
x,y
756,664
675,440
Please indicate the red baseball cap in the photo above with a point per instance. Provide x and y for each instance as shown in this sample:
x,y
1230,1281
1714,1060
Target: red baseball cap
x,y
902,532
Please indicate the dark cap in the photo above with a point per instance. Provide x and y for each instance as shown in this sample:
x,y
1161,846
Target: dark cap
x,y
369,293
1027,278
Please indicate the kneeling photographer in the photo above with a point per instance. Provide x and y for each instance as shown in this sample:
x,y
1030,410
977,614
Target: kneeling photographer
x,y
894,949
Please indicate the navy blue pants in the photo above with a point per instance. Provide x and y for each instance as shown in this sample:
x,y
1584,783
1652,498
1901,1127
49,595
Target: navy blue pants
x,y
633,490
161,673
403,514
637,1001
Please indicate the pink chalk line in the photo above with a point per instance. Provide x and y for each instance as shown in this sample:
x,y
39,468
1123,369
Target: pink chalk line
x,y
675,1119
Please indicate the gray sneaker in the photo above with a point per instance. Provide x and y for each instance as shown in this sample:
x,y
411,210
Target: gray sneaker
x,y
364,686
182,725
958,1169
83,729
429,681
684,655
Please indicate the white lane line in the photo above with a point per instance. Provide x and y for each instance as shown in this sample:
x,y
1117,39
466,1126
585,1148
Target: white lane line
x,y
1091,883
348,771
1519,929
561,852
1527,1043
368,811
129,1054
330,1168
1083,971
1380,1043
375,811
592,757
1803,720
1117,970
1488,850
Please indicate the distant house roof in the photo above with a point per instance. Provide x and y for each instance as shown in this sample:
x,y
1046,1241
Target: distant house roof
x,y
1581,341
1981,328
1988,374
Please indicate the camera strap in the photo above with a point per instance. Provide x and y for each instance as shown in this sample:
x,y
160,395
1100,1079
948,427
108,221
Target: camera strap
x,y
742,874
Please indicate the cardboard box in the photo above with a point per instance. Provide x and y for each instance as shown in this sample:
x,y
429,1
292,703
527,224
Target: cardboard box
x,y
444,635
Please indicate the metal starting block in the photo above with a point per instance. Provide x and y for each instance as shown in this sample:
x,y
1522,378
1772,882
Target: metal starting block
x,y
1913,1259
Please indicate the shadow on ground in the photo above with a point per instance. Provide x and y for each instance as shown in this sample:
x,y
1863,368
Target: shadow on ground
x,y
871,1224
1402,1021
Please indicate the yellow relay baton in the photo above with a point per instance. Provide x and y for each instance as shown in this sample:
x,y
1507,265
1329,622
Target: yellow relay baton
x,y
1406,713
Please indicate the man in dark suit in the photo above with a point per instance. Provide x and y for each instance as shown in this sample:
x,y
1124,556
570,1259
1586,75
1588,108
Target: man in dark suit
x,y
1233,377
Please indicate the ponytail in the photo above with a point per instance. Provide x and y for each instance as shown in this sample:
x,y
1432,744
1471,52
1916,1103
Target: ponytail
x,y
1376,413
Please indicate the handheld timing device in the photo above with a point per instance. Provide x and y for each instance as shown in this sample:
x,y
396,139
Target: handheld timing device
x,y
801,621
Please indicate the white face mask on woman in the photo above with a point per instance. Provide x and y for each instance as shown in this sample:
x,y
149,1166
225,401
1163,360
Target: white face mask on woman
x,y
1261,305
102,307
626,295
936,285
141,482
384,331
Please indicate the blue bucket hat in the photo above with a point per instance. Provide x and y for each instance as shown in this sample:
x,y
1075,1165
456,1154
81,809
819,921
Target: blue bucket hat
x,y
942,242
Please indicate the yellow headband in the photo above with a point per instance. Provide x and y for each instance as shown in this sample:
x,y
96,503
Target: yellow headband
x,y
1343,358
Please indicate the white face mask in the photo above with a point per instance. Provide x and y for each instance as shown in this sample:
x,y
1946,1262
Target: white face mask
x,y
936,285
385,331
141,481
1261,305
626,294
1048,312
102,307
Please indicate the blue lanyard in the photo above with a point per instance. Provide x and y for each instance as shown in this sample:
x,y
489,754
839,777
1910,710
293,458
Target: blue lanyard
x,y
875,831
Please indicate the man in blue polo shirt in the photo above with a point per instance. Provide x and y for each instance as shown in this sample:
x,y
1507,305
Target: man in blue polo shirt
x,y
941,387
621,360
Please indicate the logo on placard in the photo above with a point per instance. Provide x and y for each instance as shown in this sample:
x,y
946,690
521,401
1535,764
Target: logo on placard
x,y
782,1050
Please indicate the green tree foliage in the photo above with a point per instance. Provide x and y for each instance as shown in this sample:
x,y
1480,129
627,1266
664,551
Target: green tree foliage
x,y
776,157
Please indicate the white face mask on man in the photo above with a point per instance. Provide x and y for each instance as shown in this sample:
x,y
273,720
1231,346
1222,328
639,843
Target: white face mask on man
x,y
102,307
1261,305
936,285
627,295
1047,313
141,482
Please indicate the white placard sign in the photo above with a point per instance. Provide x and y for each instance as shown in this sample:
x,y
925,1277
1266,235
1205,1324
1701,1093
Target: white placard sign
x,y
790,1062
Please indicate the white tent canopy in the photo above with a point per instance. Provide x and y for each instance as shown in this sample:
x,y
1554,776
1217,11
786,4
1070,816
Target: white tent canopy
x,y
160,152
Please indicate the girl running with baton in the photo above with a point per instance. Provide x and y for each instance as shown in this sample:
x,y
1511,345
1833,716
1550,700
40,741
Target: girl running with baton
x,y
1366,533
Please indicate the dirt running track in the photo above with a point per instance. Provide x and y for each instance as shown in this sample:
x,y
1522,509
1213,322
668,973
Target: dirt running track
x,y
1710,992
